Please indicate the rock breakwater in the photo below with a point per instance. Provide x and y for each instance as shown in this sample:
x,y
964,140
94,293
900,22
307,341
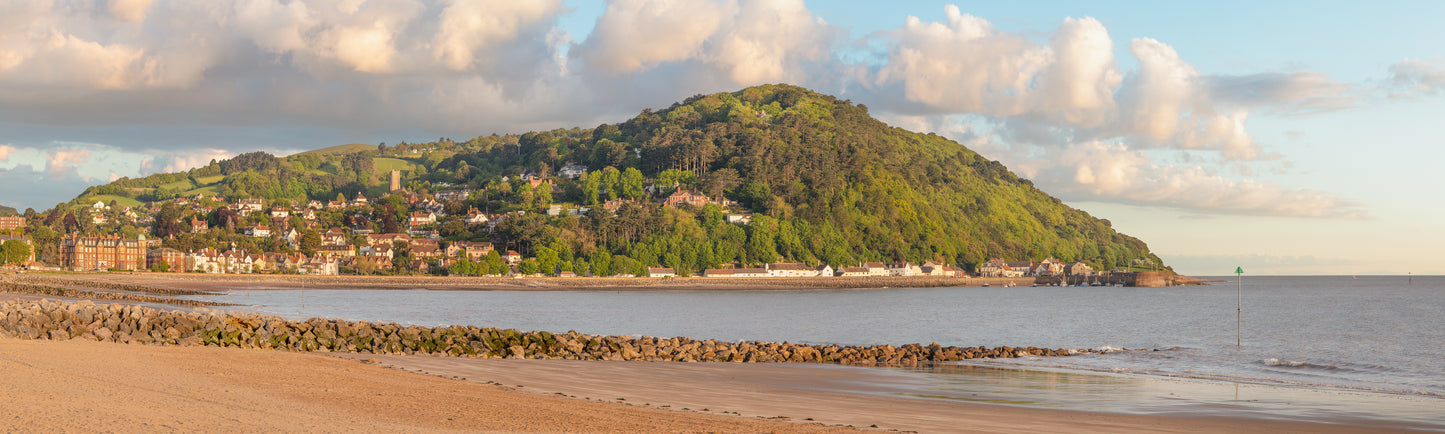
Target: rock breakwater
x,y
55,320
57,291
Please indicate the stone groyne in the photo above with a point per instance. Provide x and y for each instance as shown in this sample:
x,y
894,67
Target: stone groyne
x,y
57,291
104,285
55,320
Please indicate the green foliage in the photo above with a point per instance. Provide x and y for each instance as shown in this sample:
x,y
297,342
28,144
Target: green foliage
x,y
14,252
825,183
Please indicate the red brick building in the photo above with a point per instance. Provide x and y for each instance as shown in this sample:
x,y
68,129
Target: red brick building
x,y
172,257
102,253
12,222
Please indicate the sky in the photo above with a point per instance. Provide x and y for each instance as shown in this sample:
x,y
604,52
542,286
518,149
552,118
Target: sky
x,y
1291,137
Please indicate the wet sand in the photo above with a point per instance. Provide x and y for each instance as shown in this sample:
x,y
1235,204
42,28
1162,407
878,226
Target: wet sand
x,y
810,393
75,386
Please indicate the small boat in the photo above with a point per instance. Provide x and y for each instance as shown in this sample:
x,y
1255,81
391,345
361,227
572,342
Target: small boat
x,y
984,285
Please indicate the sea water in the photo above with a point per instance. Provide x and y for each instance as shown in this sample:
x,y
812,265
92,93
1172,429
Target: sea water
x,y
1306,347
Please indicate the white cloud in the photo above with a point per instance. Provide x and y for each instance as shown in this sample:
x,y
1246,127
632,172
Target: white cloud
x,y
1418,77
636,34
739,43
1113,172
62,161
471,26
131,10
171,162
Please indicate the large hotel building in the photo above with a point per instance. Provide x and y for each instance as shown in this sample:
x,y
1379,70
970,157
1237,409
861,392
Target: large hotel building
x,y
102,253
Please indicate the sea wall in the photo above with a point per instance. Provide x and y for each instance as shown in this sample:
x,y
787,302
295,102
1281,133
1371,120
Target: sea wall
x,y
55,320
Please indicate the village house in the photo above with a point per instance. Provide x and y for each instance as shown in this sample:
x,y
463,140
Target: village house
x,y
512,257
475,217
1078,269
320,266
740,219
904,269
247,206
572,170
315,205
341,251
451,195
199,226
421,218
793,269
426,252
205,261
851,272
660,272
333,237
690,197
280,213
1000,268
1048,267
876,268
474,250
259,231
566,274
360,200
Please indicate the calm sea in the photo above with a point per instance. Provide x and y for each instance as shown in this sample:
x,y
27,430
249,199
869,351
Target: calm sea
x,y
1369,348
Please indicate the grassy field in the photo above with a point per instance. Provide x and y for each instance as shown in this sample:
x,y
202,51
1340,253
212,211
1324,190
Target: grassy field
x,y
119,200
184,184
207,190
384,165
210,179
341,149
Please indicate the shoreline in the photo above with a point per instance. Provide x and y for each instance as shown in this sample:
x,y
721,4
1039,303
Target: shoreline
x,y
213,282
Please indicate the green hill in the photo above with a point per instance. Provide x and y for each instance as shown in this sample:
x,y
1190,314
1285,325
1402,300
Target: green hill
x,y
824,182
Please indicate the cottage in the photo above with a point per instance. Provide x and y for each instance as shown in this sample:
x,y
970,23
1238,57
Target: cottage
x,y
791,269
1078,269
421,218
259,231
851,272
875,268
336,251
660,272
475,217
572,170
904,269
740,219
512,257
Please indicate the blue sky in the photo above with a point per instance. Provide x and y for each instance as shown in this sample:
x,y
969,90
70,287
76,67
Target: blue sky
x,y
1284,137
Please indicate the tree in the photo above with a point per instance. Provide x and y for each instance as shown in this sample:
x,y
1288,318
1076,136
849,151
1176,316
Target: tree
x,y
631,183
14,252
168,221
310,241
528,267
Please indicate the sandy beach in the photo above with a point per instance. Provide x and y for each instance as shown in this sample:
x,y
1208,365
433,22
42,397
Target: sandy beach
x,y
75,385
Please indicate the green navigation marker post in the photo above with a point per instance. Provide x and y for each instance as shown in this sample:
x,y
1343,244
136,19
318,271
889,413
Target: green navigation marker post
x,y
1239,311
